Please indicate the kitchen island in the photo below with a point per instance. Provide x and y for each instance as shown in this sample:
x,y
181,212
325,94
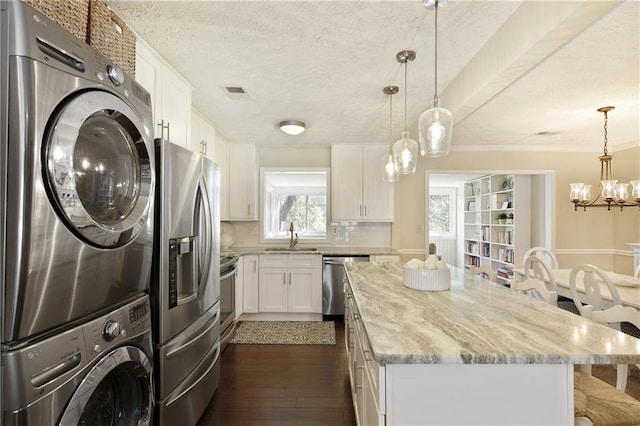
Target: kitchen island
x,y
478,353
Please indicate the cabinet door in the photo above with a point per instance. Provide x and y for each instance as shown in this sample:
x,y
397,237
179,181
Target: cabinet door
x,y
378,195
203,135
251,284
170,95
273,290
304,291
242,182
370,411
359,378
346,182
220,156
175,108
148,75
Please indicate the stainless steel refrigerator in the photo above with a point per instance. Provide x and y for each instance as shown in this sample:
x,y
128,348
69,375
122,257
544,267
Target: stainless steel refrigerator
x,y
185,288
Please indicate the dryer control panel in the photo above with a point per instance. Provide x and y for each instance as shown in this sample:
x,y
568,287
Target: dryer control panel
x,y
109,330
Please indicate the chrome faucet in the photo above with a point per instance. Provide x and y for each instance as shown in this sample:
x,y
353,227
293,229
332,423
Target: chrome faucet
x,y
293,242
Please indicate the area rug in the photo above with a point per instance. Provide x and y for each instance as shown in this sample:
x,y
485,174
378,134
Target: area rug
x,y
285,333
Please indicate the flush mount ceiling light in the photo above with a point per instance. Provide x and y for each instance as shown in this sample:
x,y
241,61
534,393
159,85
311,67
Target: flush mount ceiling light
x,y
612,192
292,127
406,149
388,162
436,124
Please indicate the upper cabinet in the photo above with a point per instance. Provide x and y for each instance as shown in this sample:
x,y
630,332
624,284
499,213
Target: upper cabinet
x,y
170,95
242,191
221,157
203,136
358,192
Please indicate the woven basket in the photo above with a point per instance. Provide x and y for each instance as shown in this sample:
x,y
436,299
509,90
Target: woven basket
x,y
112,37
72,15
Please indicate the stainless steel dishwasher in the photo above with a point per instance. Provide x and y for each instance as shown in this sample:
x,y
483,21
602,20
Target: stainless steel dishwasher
x,y
333,277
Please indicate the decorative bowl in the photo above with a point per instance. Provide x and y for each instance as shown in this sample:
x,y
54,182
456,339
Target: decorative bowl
x,y
427,279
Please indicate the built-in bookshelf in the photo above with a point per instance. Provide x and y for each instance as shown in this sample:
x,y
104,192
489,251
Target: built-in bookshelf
x,y
497,221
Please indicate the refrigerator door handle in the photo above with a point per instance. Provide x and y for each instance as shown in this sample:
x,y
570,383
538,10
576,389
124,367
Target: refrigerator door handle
x,y
205,237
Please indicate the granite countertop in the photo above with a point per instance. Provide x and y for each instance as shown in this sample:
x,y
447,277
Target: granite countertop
x,y
328,250
475,322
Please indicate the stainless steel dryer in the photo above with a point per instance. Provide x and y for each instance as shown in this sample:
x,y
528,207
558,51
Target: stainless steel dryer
x,y
98,373
77,180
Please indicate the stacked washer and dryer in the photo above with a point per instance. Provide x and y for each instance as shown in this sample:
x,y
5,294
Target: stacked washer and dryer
x,y
76,201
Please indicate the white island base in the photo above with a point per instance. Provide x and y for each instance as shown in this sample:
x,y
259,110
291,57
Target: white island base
x,y
479,394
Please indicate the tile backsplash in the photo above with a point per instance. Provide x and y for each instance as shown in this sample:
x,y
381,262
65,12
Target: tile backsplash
x,y
346,234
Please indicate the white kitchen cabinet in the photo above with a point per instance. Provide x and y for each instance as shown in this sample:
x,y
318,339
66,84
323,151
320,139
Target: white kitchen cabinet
x,y
221,158
358,192
239,290
203,135
273,290
242,183
170,95
366,376
290,283
250,288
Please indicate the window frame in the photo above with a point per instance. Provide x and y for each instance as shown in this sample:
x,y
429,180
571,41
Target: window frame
x,y
452,192
266,201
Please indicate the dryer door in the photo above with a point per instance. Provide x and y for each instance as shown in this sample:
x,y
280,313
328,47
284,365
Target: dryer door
x,y
117,391
98,169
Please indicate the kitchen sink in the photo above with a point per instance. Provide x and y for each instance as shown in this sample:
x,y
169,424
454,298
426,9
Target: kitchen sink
x,y
285,249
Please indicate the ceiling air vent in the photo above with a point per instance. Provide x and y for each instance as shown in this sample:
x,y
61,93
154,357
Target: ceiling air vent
x,y
236,92
235,89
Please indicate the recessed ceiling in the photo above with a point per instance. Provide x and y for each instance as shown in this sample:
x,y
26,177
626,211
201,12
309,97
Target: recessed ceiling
x,y
525,75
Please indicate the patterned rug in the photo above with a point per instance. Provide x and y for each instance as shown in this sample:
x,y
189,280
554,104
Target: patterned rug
x,y
285,333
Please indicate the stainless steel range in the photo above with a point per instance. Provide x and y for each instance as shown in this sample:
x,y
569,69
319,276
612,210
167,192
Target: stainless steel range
x,y
228,272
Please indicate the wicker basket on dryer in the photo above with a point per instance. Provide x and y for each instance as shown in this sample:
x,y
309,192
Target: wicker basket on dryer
x,y
71,15
112,37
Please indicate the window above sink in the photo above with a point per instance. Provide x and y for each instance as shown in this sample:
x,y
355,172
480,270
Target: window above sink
x,y
297,196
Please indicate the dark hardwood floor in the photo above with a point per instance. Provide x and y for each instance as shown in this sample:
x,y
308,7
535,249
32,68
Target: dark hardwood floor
x,y
283,385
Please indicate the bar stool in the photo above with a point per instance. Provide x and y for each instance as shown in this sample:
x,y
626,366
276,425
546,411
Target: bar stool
x,y
597,402
484,271
535,266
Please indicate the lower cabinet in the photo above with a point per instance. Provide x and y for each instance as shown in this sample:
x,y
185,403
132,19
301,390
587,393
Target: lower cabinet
x,y
290,283
367,377
250,286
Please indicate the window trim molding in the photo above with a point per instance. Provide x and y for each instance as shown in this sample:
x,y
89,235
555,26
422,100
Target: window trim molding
x,y
263,216
452,192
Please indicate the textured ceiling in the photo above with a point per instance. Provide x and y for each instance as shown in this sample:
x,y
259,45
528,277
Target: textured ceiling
x,y
508,70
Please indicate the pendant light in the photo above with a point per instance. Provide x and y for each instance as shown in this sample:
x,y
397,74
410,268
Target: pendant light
x,y
388,162
436,124
406,149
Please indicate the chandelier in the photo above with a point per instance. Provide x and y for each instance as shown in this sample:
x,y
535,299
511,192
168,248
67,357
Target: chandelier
x,y
612,192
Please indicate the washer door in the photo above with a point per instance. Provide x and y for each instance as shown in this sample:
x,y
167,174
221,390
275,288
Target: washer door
x,y
98,169
117,391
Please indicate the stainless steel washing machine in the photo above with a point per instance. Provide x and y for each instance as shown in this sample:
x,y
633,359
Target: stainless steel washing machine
x,y
77,180
98,373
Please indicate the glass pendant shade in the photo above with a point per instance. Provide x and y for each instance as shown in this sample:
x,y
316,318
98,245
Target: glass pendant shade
x,y
635,190
608,189
622,192
389,167
435,128
406,153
